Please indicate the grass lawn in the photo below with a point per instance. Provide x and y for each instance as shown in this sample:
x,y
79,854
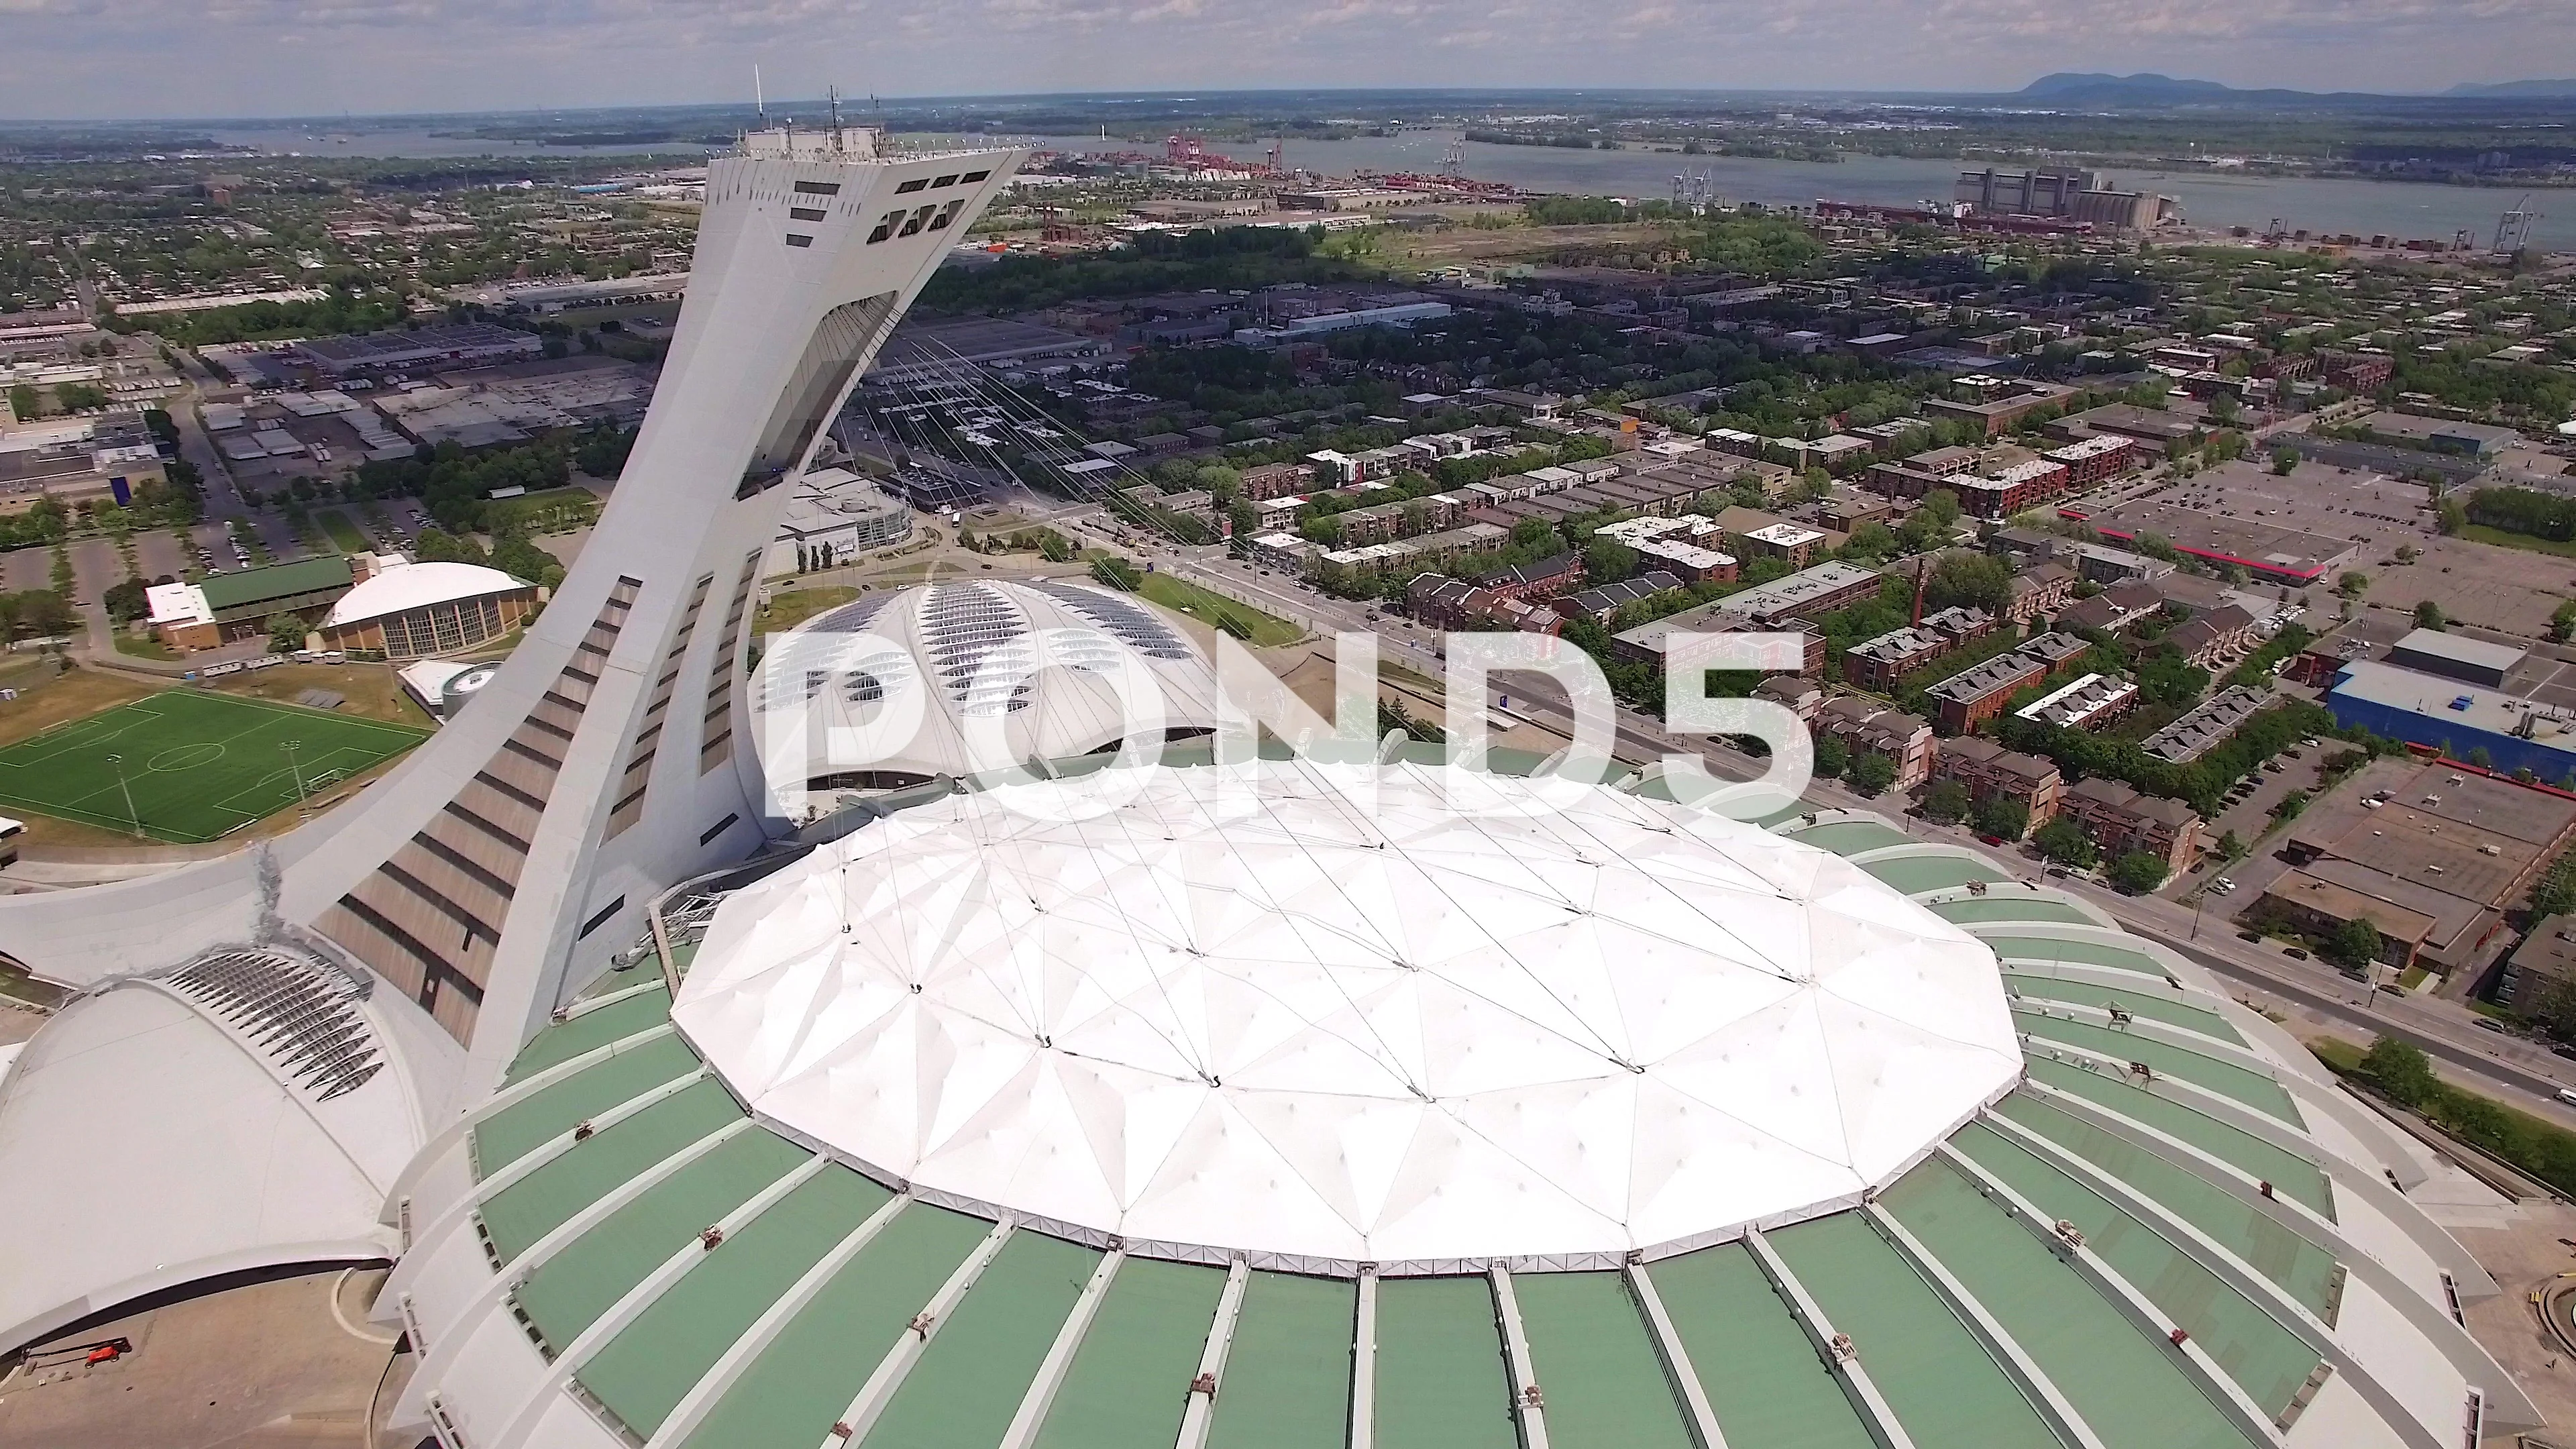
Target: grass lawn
x,y
345,536
198,765
2480,533
791,607
143,648
1214,609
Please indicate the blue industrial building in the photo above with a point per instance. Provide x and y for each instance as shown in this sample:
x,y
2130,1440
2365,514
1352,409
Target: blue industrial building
x,y
2455,718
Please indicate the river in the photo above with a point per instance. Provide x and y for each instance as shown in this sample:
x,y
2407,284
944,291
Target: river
x,y
2399,208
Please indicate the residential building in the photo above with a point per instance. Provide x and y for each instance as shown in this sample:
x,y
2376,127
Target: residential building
x,y
1455,604
1998,405
1601,602
2094,459
2039,590
1971,697
2211,639
2541,969
1803,595
1558,574
1879,664
1785,541
2123,821
1276,480
2200,731
1990,771
1975,695
1870,726
2083,703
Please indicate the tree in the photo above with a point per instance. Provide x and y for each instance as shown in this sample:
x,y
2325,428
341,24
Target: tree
x,y
22,402
2401,1070
2353,585
2562,624
2138,872
1960,577
1947,802
2428,615
1607,560
1832,757
1117,573
2284,461
1871,773
2002,816
2064,841
2229,847
125,600
2448,516
2355,943
286,633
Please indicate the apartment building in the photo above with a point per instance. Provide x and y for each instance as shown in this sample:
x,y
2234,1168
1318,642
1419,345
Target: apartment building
x,y
2122,821
1875,727
1989,771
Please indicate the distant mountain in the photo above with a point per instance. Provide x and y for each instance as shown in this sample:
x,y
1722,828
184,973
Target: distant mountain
x,y
2093,89
2518,90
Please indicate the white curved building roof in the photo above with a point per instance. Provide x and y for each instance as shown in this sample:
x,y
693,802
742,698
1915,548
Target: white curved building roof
x,y
901,682
1241,1013
234,1113
414,585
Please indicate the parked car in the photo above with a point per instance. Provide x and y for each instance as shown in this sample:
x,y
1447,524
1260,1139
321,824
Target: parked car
x,y
2294,953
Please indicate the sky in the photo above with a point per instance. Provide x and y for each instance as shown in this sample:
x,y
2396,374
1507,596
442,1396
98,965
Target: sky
x,y
89,59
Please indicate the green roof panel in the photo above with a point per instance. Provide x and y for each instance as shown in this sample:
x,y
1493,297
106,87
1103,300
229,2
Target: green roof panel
x,y
1594,1360
1936,1377
644,1372
552,1194
1287,1378
570,1290
791,1395
1765,1382
1441,1382
2257,1158
2128,1388
596,1027
2267,1360
1130,1380
967,1386
523,1126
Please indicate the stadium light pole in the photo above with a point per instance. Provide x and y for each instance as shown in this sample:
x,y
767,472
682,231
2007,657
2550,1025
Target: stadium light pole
x,y
132,816
294,768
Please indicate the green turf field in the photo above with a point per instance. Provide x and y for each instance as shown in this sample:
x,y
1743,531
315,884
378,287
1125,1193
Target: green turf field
x,y
199,765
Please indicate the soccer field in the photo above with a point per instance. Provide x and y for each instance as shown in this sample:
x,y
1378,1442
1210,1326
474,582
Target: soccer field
x,y
197,765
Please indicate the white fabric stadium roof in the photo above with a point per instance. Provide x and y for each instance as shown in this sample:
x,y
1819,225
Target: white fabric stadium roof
x,y
412,585
1244,1013
1041,660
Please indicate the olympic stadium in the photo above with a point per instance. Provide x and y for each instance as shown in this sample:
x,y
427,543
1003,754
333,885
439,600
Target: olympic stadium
x,y
1359,1098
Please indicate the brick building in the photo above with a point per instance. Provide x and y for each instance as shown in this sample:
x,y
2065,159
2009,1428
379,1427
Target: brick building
x,y
2121,820
1989,771
1876,727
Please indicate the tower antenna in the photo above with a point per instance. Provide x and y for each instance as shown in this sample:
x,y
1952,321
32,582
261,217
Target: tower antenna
x,y
759,99
834,93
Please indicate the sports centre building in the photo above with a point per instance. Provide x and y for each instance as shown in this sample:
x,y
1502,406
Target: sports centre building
x,y
1363,1100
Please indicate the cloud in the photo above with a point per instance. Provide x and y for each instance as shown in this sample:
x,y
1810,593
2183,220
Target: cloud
x,y
267,57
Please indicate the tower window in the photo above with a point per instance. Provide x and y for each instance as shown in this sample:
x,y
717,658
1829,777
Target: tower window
x,y
915,222
806,213
885,226
946,215
915,184
948,180
971,177
799,239
818,188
